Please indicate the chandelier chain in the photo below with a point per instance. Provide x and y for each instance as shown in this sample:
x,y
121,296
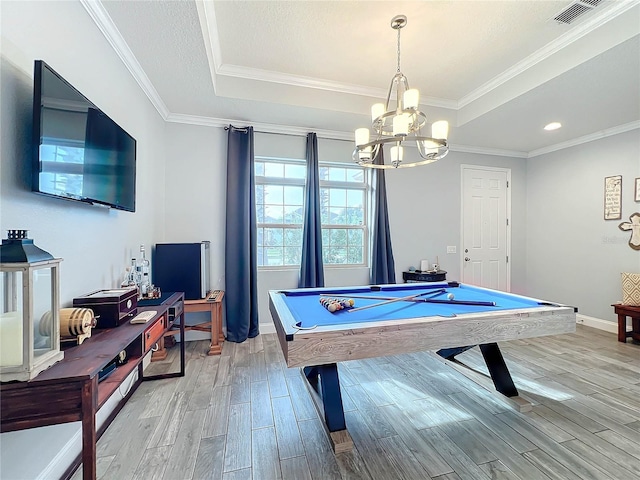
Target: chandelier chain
x,y
398,50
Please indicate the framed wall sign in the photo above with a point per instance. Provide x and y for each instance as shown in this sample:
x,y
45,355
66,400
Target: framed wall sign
x,y
637,195
613,197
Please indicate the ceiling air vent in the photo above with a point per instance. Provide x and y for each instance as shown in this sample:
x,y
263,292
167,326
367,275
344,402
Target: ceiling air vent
x,y
575,10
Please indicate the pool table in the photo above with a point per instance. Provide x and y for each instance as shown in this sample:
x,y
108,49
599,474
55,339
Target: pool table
x,y
447,317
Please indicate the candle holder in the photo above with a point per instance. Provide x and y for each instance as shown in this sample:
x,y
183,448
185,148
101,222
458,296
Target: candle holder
x,y
29,292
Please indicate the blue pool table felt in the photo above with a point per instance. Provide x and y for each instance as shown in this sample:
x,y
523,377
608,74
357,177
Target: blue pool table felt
x,y
304,304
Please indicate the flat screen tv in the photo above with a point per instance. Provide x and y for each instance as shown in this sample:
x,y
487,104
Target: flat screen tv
x,y
79,153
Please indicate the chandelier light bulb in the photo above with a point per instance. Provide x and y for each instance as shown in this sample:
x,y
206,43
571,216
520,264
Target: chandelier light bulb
x,y
400,125
362,136
411,99
397,153
440,129
377,110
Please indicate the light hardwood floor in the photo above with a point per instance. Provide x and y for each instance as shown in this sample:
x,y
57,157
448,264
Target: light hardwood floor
x,y
244,415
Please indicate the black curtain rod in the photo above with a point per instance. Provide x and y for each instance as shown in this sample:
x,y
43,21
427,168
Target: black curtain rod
x,y
244,129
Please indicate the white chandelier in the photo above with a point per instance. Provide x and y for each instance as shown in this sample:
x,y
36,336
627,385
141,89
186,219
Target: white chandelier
x,y
395,123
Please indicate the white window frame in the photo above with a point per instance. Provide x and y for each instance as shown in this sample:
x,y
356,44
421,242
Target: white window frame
x,y
364,186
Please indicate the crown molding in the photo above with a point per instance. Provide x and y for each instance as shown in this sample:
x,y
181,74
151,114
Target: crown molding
x,y
209,27
487,151
101,18
329,134
259,127
548,50
320,84
586,138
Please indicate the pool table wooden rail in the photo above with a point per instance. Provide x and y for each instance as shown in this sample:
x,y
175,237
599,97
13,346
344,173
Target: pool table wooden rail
x,y
338,343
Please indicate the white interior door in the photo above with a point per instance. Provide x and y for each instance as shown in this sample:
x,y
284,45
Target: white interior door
x,y
485,227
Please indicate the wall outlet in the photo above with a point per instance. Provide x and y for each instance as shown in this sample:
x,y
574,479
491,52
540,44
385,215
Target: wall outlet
x,y
451,249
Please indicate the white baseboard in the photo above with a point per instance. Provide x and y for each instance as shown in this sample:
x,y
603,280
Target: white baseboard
x,y
598,323
267,328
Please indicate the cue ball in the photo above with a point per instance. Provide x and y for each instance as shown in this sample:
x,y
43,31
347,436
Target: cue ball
x,y
332,307
450,296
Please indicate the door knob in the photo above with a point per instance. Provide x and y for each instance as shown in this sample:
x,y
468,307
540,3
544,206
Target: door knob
x,y
466,259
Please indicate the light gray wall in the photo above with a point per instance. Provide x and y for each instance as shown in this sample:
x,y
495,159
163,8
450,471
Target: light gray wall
x,y
574,256
96,243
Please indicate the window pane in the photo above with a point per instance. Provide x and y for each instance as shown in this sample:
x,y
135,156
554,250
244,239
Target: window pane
x,y
295,171
273,194
292,255
293,215
337,174
293,195
338,237
272,169
273,256
272,236
292,237
335,255
326,242
259,168
260,236
355,175
354,216
273,214
260,213
324,205
260,256
337,216
355,238
323,172
338,197
355,198
355,255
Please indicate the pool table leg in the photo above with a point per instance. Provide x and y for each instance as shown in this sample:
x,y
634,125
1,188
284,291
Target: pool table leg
x,y
449,353
329,392
498,369
495,364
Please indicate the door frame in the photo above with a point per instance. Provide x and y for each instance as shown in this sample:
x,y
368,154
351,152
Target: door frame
x,y
463,167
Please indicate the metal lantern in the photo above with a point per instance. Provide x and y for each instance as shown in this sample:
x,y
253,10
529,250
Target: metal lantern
x,y
29,298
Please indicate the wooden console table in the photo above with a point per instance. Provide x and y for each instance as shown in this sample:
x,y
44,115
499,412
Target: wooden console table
x,y
624,311
69,391
213,305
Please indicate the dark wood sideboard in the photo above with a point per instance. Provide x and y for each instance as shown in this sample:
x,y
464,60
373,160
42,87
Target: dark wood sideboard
x,y
69,391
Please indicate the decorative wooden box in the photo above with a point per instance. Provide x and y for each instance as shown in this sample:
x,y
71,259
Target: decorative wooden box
x,y
110,307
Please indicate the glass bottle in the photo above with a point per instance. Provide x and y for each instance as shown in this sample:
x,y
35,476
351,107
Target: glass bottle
x,y
145,281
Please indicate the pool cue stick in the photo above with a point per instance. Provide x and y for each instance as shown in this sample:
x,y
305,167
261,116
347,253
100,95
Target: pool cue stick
x,y
456,302
376,297
401,299
425,300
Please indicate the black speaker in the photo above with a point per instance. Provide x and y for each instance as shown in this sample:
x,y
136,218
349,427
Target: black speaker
x,y
182,267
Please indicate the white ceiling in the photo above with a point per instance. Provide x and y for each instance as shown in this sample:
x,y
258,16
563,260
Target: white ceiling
x,y
497,70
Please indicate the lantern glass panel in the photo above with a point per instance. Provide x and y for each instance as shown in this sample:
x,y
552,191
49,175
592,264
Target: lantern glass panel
x,y
11,333
42,311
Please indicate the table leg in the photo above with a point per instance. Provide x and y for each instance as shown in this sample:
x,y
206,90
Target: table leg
x,y
214,348
622,328
498,370
89,435
219,313
327,377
